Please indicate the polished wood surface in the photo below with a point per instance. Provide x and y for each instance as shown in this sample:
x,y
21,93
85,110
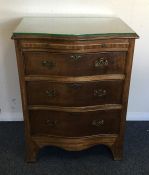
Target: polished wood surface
x,y
74,90
74,94
74,44
75,78
47,63
74,124
76,109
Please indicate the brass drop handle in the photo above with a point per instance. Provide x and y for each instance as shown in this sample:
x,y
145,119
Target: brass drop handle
x,y
50,93
101,62
47,64
51,123
98,123
100,92
75,57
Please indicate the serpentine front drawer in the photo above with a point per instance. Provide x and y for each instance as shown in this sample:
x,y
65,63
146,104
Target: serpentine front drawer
x,y
74,64
76,124
74,94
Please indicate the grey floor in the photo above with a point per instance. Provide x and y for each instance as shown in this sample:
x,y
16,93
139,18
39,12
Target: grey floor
x,y
95,161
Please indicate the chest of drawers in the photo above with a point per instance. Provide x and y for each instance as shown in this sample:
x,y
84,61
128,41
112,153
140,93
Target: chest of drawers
x,y
74,78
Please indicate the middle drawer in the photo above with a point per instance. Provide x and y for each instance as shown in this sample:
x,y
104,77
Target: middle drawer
x,y
74,94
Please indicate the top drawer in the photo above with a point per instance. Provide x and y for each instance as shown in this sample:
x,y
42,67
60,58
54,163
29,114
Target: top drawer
x,y
68,45
70,64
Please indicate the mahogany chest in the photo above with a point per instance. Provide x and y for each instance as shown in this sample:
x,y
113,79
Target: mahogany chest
x,y
74,80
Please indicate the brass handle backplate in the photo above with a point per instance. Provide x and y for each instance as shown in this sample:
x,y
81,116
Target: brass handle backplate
x,y
98,123
101,62
48,64
51,123
75,57
50,93
100,92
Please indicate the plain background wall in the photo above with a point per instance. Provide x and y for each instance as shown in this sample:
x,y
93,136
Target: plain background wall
x,y
134,12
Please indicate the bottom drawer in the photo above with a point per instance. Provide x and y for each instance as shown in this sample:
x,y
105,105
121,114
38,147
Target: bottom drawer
x,y
75,124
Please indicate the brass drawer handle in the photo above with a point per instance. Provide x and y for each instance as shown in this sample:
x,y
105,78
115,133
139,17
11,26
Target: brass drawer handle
x,y
75,85
75,57
101,62
48,64
51,123
98,123
50,93
100,92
